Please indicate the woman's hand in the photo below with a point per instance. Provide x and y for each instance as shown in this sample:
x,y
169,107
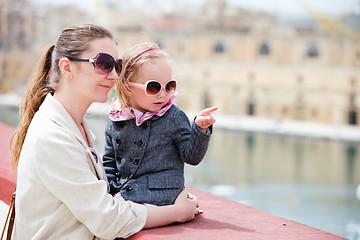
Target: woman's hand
x,y
187,205
184,209
204,119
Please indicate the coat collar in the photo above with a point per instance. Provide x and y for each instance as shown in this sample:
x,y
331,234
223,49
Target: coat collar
x,y
55,111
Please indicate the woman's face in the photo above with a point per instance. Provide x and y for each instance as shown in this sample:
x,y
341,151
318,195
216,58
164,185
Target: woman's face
x,y
159,70
89,84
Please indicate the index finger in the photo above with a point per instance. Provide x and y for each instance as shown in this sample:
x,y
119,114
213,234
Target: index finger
x,y
209,110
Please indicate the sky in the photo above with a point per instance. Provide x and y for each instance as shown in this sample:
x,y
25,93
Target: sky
x,y
297,7
280,7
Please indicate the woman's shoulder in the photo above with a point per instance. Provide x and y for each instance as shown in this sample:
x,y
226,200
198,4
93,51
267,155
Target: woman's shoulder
x,y
45,131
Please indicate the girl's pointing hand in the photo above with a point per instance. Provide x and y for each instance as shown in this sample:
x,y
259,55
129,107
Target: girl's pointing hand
x,y
204,119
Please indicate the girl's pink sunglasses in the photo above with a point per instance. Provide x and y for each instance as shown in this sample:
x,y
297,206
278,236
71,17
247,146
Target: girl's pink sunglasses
x,y
153,87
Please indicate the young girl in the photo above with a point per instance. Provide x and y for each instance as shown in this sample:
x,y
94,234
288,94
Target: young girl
x,y
148,138
62,189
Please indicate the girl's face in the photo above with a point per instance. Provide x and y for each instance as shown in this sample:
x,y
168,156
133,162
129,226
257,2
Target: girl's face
x,y
90,85
159,70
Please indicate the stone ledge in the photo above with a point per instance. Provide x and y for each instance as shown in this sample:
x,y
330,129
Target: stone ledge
x,y
222,219
225,219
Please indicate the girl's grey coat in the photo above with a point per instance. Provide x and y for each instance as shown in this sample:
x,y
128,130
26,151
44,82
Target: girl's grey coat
x,y
146,163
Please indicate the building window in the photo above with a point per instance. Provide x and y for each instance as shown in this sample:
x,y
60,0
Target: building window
x,y
312,51
353,117
264,49
352,114
219,48
251,109
206,99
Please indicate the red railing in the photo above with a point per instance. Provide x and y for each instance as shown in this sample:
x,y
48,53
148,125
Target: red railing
x,y
223,219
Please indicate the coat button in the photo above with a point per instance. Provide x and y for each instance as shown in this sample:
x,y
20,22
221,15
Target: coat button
x,y
117,141
128,187
118,159
136,161
141,143
146,124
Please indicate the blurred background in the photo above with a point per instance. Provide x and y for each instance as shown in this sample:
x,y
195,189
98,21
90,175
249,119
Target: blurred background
x,y
285,75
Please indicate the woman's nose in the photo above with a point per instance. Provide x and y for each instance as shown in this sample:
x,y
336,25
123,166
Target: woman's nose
x,y
113,75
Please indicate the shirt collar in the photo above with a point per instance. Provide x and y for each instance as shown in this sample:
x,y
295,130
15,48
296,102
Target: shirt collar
x,y
128,113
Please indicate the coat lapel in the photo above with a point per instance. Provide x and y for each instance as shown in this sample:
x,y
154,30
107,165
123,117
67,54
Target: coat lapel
x,y
58,114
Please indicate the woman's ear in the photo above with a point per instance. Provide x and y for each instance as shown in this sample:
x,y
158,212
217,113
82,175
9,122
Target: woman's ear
x,y
65,68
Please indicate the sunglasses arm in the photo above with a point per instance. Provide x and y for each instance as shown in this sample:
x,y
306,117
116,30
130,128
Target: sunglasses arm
x,y
138,85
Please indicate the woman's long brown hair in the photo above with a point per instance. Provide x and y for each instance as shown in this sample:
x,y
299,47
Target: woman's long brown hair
x,y
71,43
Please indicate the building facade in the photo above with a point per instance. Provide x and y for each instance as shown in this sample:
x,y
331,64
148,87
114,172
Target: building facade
x,y
247,63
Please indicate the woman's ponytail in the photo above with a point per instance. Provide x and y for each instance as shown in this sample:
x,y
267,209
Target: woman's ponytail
x,y
33,98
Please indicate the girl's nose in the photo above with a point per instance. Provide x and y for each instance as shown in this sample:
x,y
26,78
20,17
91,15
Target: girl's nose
x,y
162,93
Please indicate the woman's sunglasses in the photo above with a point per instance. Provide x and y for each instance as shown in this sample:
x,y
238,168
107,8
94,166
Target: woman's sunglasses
x,y
103,63
153,87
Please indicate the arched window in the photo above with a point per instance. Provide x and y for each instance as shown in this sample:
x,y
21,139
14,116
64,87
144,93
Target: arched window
x,y
264,49
312,51
219,48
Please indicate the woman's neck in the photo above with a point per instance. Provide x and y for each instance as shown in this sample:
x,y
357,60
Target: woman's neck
x,y
73,105
76,108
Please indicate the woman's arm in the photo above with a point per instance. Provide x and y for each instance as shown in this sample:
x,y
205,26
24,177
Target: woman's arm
x,y
184,209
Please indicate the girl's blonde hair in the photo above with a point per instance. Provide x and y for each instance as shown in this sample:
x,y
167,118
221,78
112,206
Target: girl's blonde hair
x,y
133,58
72,42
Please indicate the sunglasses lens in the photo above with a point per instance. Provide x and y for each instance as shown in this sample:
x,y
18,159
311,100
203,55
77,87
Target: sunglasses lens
x,y
153,88
104,63
171,87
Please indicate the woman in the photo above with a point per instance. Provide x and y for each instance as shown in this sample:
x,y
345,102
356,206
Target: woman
x,y
62,190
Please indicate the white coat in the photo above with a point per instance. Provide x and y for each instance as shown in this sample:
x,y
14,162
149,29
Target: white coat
x,y
62,191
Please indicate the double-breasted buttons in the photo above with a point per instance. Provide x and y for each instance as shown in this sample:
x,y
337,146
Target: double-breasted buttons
x,y
117,141
136,161
145,124
128,187
140,143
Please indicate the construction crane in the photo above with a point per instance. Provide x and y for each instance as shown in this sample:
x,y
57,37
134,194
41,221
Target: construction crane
x,y
331,25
